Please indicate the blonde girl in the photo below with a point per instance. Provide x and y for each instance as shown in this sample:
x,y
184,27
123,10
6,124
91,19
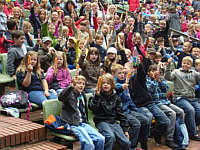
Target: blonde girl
x,y
58,75
17,14
90,68
30,78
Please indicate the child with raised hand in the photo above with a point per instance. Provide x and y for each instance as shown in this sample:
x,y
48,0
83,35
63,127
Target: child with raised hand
x,y
185,80
90,68
58,76
30,78
75,113
139,123
107,110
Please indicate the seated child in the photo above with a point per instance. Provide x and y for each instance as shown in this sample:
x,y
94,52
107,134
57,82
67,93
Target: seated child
x,y
185,80
138,123
75,113
30,78
158,87
90,68
16,53
107,110
58,75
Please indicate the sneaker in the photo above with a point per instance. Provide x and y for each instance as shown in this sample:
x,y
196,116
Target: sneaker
x,y
195,137
171,144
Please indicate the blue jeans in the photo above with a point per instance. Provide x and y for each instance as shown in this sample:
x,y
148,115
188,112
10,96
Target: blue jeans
x,y
162,121
192,113
38,97
139,128
89,137
113,133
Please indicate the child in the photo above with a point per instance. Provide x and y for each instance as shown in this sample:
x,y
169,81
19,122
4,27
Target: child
x,y
90,68
3,18
16,53
75,113
158,87
107,110
185,80
187,46
195,52
30,78
139,126
58,76
98,44
45,53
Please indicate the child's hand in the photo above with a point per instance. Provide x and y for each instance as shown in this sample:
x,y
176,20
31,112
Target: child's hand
x,y
170,60
125,86
29,68
39,41
97,91
46,93
83,51
126,134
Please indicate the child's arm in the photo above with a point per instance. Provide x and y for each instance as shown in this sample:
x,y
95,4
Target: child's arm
x,y
45,87
75,30
168,74
50,75
81,61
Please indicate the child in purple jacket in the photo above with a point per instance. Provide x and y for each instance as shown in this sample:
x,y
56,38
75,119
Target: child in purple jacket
x,y
58,75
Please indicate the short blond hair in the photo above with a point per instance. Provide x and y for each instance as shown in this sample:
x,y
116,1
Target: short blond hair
x,y
76,78
188,58
116,67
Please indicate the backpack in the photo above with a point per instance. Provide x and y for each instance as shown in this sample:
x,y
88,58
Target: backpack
x,y
16,99
5,44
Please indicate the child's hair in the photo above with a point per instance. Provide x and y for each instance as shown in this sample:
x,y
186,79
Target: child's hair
x,y
162,22
117,40
26,24
93,50
11,23
160,39
110,80
76,78
98,36
44,4
17,9
42,10
54,66
189,44
16,34
65,28
153,67
188,58
128,51
197,62
116,67
157,55
148,26
24,64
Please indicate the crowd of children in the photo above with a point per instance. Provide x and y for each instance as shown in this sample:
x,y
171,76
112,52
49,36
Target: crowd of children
x,y
125,59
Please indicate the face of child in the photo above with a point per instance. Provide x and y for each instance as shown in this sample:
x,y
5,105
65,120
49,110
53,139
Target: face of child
x,y
157,60
19,41
195,53
70,43
147,29
162,25
93,57
99,41
52,29
111,56
104,30
111,25
59,61
106,86
186,48
42,15
112,10
80,85
82,28
120,74
54,16
65,32
67,21
154,73
27,29
46,45
16,13
186,65
33,60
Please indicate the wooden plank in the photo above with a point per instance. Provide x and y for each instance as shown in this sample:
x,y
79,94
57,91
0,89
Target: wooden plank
x,y
2,141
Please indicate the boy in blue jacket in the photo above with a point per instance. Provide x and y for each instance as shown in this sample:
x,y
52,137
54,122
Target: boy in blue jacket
x,y
139,123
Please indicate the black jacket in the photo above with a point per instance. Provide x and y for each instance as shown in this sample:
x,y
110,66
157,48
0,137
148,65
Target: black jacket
x,y
138,89
69,111
108,108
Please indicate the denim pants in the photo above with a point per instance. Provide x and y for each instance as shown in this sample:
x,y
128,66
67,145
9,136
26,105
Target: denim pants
x,y
38,97
171,111
113,133
139,129
162,121
89,137
192,113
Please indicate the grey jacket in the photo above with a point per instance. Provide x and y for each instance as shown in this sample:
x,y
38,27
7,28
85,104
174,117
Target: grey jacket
x,y
184,82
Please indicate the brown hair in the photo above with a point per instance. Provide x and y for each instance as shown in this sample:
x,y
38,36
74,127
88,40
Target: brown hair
x,y
93,50
110,80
